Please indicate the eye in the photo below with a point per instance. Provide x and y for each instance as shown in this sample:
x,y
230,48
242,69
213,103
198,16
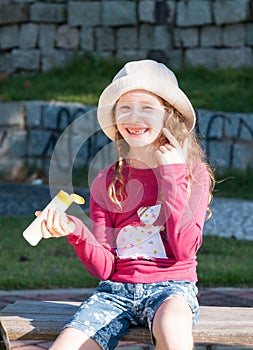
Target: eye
x,y
124,108
147,107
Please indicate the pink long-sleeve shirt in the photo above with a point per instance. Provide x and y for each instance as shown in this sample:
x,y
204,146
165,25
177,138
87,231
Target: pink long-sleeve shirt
x,y
183,212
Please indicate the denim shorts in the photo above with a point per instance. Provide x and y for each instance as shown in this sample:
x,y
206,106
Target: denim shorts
x,y
114,307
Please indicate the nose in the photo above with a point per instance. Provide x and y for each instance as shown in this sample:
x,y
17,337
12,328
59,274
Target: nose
x,y
135,112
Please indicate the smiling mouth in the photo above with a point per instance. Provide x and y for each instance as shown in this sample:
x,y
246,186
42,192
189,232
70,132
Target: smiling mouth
x,y
134,131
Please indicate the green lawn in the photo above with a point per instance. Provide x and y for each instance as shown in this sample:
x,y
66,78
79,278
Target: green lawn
x,y
84,80
225,262
235,183
53,263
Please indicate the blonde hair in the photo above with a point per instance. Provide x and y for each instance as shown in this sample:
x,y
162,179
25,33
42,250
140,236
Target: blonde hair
x,y
177,126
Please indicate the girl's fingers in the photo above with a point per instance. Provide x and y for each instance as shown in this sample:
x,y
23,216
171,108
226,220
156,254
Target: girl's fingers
x,y
50,220
37,213
67,224
173,142
168,147
55,225
165,148
45,233
168,154
158,154
171,138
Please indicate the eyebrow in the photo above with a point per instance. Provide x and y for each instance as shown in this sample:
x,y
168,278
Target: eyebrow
x,y
140,102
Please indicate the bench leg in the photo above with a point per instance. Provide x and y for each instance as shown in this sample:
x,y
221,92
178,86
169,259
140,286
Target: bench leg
x,y
2,345
4,339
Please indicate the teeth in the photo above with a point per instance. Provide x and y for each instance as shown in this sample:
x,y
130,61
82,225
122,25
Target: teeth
x,y
137,131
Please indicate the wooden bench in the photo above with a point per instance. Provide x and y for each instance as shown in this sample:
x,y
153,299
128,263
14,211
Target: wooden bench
x,y
43,320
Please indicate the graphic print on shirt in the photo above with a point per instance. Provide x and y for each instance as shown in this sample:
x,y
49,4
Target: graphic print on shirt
x,y
142,240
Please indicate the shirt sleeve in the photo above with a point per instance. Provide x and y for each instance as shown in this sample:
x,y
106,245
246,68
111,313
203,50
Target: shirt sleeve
x,y
95,246
185,206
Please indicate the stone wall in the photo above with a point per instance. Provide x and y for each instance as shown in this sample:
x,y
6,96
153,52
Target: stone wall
x,y
37,35
34,133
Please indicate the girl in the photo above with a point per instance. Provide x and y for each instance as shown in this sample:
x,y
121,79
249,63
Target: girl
x,y
147,214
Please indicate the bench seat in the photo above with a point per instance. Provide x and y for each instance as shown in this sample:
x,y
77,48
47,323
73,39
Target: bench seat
x,y
43,320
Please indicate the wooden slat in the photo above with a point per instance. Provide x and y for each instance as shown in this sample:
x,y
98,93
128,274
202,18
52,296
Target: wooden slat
x,y
225,325
41,307
32,320
4,341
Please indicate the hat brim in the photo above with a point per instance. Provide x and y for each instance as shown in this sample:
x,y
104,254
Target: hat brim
x,y
167,91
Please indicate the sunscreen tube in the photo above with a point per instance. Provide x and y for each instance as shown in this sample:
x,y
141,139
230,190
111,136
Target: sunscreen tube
x,y
61,202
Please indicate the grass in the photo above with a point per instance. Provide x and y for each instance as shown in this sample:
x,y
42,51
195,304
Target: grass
x,y
228,90
225,262
84,80
53,263
235,183
50,264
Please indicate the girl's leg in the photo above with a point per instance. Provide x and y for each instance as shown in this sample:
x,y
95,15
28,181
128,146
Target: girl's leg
x,y
74,339
172,325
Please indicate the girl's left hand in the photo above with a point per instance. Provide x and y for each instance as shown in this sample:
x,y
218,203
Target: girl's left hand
x,y
172,152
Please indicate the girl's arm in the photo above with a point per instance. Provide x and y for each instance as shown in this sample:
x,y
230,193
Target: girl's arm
x,y
185,207
94,247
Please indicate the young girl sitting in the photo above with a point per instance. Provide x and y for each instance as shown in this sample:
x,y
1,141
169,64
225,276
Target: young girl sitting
x,y
147,214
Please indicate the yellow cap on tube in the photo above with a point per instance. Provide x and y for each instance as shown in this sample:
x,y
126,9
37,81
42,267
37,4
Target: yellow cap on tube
x,y
68,199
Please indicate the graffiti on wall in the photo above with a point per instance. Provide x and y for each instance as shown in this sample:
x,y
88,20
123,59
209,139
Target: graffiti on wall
x,y
3,135
227,139
90,145
63,119
221,134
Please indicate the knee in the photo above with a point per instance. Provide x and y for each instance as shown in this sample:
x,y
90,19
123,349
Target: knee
x,y
172,326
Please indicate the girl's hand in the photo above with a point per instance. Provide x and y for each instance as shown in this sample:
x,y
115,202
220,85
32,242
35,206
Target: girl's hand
x,y
56,224
172,152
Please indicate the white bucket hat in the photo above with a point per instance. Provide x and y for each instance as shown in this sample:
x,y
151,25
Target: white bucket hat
x,y
146,75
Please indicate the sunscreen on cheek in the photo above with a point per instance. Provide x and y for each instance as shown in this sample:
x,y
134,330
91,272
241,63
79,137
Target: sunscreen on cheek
x,y
121,116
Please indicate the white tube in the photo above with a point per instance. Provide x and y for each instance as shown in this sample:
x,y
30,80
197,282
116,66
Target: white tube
x,y
61,202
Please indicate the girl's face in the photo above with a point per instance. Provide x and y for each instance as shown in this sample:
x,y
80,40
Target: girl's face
x,y
139,117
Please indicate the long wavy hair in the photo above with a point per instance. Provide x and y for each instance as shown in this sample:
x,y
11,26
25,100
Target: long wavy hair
x,y
177,126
